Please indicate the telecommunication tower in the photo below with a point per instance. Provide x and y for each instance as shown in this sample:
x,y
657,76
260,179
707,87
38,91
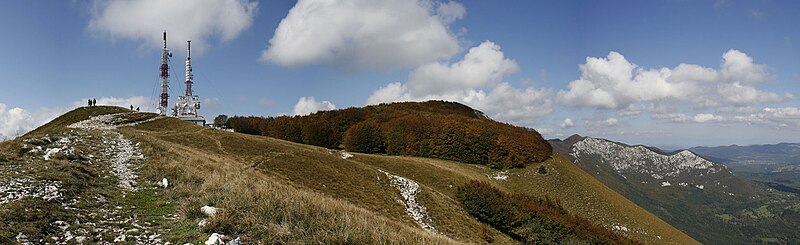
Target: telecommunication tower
x,y
188,104
165,55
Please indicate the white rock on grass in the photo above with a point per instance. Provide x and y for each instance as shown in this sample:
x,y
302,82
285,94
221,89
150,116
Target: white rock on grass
x,y
237,241
108,121
346,155
123,154
215,239
619,228
18,188
22,239
409,190
208,211
120,238
502,175
163,183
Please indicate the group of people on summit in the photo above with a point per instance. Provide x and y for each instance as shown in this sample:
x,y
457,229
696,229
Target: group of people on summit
x,y
93,102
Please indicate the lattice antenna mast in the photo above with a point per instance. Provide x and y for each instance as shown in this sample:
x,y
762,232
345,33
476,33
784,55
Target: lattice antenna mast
x,y
189,76
165,54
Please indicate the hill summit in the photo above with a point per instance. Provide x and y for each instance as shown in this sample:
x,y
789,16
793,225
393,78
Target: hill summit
x,y
436,129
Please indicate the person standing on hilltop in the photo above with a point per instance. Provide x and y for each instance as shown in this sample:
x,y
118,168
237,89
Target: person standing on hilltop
x,y
94,102
90,102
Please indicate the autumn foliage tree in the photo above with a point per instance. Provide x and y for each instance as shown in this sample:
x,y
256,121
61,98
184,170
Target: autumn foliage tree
x,y
364,137
438,129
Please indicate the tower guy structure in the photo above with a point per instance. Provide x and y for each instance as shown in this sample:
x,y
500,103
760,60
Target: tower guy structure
x,y
165,54
188,104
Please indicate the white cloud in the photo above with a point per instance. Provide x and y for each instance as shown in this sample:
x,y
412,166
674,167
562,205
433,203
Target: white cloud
x,y
308,105
196,20
450,11
509,104
567,123
615,83
481,66
776,117
17,121
594,123
706,117
683,118
475,81
359,34
738,67
610,122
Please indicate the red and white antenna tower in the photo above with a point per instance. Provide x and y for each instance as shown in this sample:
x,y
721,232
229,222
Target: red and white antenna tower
x,y
162,107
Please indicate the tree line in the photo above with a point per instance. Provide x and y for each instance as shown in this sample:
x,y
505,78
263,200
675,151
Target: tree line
x,y
436,129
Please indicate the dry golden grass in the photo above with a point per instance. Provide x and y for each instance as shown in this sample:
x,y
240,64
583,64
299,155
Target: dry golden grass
x,y
261,208
580,193
355,183
275,191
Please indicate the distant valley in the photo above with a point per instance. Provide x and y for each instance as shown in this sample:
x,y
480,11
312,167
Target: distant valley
x,y
692,192
777,165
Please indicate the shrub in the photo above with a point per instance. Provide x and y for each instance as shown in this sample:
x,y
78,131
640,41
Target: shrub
x,y
531,220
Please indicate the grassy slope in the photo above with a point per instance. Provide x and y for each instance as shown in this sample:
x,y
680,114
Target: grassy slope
x,y
357,181
277,191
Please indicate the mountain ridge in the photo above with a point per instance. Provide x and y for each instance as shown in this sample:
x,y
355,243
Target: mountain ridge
x,y
691,192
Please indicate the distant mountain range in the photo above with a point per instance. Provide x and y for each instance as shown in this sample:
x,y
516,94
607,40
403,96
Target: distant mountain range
x,y
755,158
776,165
690,191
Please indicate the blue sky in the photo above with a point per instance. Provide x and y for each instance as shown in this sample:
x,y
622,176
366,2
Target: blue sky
x,y
609,69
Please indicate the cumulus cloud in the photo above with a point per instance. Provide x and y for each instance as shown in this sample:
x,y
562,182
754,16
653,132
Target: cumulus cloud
x,y
615,83
358,34
476,81
706,117
697,118
775,117
196,20
610,122
17,121
567,123
308,105
604,123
